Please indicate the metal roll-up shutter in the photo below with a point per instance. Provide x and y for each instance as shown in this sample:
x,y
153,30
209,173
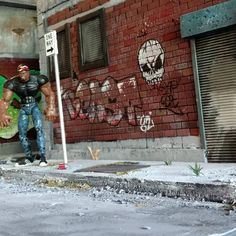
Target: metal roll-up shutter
x,y
216,60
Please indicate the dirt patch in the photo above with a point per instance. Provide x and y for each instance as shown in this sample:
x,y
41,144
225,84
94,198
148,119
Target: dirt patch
x,y
117,167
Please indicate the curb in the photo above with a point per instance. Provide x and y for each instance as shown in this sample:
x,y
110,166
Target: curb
x,y
217,192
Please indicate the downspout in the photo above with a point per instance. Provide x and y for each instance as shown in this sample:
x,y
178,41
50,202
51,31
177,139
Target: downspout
x,y
198,98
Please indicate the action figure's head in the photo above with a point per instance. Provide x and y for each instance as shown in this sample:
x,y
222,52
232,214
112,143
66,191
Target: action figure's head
x,y
23,71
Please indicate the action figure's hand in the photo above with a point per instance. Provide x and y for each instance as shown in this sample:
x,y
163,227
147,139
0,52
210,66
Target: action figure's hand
x,y
5,120
50,114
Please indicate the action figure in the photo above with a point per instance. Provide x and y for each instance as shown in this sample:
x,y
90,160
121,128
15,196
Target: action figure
x,y
27,86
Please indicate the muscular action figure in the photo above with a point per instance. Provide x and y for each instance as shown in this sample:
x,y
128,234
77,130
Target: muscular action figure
x,y
27,86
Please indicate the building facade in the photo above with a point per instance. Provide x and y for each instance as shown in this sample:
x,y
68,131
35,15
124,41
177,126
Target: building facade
x,y
18,44
144,79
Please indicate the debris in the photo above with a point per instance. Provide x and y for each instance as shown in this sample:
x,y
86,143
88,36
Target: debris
x,y
3,162
145,227
94,153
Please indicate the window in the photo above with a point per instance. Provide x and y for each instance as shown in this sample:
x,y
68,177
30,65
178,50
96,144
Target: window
x,y
92,38
64,57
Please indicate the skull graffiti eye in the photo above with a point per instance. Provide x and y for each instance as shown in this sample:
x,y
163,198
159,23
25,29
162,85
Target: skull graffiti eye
x,y
158,63
145,68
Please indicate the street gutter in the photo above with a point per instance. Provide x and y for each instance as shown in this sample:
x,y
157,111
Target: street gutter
x,y
214,192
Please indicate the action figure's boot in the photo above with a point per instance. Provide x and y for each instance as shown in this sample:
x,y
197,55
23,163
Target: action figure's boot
x,y
27,161
43,161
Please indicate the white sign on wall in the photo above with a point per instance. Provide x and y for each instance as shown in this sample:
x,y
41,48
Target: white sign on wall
x,y
51,43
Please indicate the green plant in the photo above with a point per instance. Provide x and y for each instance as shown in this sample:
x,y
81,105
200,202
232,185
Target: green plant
x,y
168,162
196,169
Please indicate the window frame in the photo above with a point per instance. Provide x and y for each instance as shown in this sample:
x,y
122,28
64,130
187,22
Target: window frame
x,y
97,63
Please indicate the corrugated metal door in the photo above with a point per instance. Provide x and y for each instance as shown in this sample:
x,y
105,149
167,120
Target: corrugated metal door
x,y
216,60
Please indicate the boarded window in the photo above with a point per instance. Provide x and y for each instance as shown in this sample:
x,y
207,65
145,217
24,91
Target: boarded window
x,y
92,37
64,56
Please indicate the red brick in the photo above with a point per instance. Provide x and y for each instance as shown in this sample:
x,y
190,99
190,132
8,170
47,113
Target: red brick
x,y
187,72
183,132
85,6
68,13
61,16
192,116
142,9
135,5
158,134
169,133
194,132
175,125
191,101
184,117
163,126
167,12
169,118
153,5
103,1
109,10
146,2
51,20
170,36
184,45
77,10
119,6
93,4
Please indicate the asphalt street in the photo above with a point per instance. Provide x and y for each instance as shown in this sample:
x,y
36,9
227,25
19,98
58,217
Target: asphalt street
x,y
45,209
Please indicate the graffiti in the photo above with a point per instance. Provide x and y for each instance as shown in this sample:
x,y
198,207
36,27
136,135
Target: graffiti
x,y
151,65
110,101
168,99
151,61
145,122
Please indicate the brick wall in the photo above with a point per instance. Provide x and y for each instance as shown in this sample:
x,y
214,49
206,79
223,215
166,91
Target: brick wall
x,y
132,108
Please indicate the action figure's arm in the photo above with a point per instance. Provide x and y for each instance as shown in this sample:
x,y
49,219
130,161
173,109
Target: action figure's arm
x,y
5,119
50,111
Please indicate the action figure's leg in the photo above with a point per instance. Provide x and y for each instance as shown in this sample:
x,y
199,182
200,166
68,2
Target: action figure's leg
x,y
38,124
23,123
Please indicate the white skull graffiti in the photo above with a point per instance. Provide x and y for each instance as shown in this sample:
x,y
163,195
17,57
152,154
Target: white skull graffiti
x,y
151,60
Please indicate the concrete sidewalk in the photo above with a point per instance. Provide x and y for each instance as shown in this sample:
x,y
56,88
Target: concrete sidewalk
x,y
217,182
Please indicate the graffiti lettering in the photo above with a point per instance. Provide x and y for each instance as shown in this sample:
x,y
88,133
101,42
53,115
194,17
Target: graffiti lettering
x,y
169,86
146,123
107,102
111,101
168,99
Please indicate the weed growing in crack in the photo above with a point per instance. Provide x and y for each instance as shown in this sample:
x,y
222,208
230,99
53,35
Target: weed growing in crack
x,y
168,162
197,169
